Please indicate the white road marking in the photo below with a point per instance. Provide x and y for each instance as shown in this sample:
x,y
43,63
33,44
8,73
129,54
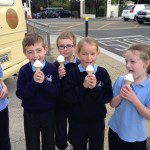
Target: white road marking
x,y
120,44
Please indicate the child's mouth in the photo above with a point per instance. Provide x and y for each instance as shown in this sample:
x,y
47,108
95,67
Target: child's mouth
x,y
89,63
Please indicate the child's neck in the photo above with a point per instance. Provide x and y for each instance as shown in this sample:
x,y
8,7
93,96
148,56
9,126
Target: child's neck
x,y
140,79
70,59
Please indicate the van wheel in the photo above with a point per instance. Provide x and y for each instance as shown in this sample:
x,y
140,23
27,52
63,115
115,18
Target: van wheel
x,y
140,22
126,19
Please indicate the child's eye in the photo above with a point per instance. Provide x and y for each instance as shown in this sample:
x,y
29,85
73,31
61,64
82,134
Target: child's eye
x,y
132,62
39,50
93,54
29,52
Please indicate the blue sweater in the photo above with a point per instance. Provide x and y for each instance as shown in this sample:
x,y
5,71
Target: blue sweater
x,y
38,97
88,104
61,103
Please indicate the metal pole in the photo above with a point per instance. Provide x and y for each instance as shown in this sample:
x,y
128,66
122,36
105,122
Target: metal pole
x,y
86,26
47,3
48,44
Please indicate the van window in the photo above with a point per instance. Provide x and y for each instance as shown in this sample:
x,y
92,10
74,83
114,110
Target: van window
x,y
6,2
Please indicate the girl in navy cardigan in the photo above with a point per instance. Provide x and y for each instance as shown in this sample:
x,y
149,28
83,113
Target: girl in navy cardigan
x,y
88,93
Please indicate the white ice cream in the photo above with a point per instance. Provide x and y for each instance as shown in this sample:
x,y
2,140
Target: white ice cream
x,y
89,68
60,58
38,64
129,77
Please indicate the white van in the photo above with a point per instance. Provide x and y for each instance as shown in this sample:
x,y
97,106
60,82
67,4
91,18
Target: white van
x,y
130,12
12,32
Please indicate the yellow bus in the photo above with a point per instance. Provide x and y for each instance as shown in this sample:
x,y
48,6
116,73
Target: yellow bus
x,y
12,32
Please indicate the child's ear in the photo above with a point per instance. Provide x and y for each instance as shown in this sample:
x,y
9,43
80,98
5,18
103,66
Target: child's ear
x,y
78,54
45,48
146,63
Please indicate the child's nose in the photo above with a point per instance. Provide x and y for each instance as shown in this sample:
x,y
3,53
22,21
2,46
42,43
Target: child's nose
x,y
128,64
35,55
89,56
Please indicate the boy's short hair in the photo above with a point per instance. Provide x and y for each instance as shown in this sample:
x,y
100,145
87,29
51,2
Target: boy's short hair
x,y
31,39
67,35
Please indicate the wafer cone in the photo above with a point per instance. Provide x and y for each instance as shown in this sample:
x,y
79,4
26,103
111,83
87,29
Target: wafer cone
x,y
128,83
38,69
90,72
61,64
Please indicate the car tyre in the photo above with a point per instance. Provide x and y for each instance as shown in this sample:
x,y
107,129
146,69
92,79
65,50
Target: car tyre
x,y
140,22
126,19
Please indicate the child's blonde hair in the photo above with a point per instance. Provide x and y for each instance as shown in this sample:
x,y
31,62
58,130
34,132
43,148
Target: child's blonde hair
x,y
66,35
31,39
88,40
144,51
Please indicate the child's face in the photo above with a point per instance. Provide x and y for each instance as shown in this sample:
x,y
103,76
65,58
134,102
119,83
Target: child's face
x,y
135,64
88,54
35,52
66,48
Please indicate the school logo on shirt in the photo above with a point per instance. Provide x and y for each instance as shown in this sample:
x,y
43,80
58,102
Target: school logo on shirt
x,y
99,83
49,78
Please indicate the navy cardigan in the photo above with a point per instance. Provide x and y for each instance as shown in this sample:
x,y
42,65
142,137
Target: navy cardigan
x,y
88,104
38,97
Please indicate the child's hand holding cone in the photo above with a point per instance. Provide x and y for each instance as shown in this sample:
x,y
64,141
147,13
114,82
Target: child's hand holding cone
x,y
61,69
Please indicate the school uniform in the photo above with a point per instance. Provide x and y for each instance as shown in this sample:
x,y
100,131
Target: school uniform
x,y
62,109
126,124
4,121
38,100
88,111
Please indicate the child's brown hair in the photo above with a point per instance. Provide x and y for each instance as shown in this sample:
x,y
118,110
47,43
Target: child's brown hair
x,y
144,51
67,35
88,40
31,39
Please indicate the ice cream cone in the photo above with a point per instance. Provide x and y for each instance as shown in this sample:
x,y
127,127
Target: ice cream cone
x,y
61,64
38,69
89,69
38,65
61,60
90,72
128,82
128,79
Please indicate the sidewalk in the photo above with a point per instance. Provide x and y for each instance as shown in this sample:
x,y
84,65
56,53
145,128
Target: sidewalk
x,y
114,67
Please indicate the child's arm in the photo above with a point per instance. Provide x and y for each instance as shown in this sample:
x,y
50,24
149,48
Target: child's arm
x,y
129,94
4,92
25,89
115,101
61,71
74,92
101,90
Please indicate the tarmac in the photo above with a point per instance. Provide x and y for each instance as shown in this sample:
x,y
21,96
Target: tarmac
x,y
111,62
